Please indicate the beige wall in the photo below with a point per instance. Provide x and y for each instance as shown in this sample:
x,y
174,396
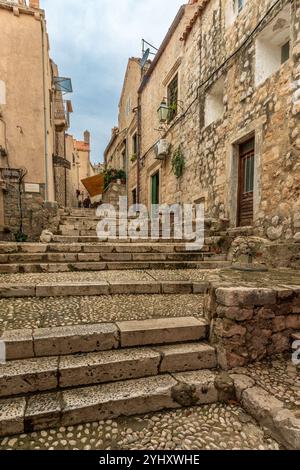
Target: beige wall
x,y
25,71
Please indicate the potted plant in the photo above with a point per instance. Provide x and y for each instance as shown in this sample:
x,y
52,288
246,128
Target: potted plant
x,y
133,158
121,175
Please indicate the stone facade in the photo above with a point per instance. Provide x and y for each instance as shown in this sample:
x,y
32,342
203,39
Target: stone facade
x,y
238,78
250,323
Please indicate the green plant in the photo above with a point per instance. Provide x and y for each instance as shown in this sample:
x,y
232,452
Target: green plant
x,y
21,237
121,175
133,158
178,162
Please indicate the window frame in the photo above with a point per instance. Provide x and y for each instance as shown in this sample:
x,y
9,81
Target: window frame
x,y
174,82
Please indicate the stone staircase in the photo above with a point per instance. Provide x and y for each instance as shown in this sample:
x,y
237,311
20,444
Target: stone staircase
x,y
76,247
72,375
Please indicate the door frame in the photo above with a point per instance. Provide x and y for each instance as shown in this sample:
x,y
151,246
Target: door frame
x,y
255,130
241,181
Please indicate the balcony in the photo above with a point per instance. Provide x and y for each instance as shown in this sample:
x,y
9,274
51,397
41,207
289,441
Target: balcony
x,y
62,110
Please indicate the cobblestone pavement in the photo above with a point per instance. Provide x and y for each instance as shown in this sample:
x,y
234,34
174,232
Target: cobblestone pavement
x,y
211,427
279,377
129,275
61,311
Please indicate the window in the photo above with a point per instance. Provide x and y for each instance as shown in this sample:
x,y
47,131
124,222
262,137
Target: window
x,y
273,46
173,98
285,52
214,102
135,145
134,196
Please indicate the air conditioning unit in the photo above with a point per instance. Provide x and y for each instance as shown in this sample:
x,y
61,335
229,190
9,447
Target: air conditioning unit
x,y
162,149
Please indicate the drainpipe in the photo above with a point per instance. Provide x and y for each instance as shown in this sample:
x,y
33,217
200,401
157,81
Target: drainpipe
x,y
43,28
139,142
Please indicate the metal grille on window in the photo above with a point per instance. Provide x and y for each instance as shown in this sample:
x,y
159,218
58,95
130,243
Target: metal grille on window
x,y
173,98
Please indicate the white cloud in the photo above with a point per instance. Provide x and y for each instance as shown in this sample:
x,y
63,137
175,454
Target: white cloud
x,y
91,41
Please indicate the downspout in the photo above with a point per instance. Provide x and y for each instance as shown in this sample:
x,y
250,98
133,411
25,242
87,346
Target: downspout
x,y
45,111
139,141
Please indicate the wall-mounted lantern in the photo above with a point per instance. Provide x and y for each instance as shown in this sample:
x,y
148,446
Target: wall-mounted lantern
x,y
163,112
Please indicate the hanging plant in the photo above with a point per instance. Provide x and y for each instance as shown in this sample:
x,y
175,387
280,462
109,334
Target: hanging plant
x,y
178,162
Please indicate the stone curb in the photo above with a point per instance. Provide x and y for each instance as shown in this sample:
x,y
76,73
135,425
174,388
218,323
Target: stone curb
x,y
101,288
283,424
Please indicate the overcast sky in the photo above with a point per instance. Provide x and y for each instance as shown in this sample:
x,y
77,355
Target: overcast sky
x,y
91,41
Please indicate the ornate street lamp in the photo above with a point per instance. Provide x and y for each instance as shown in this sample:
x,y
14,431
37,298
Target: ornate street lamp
x,y
163,112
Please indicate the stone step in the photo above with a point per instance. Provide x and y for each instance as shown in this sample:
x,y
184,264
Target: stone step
x,y
210,240
96,403
7,249
46,374
77,339
65,257
88,288
95,239
217,263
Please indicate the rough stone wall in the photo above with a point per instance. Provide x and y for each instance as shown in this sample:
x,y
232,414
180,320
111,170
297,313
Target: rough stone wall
x,y
271,111
251,323
37,214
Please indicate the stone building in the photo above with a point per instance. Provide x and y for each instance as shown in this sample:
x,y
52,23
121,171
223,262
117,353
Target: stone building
x,y
121,152
228,72
79,156
34,117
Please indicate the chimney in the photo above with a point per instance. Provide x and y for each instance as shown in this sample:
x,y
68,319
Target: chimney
x,y
34,4
87,137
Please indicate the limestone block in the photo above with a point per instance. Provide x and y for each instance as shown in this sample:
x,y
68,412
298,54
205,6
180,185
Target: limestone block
x,y
260,404
135,287
195,388
27,376
12,416
42,412
241,383
107,366
46,236
161,331
177,287
235,296
18,344
187,357
287,424
15,290
75,339
118,399
77,289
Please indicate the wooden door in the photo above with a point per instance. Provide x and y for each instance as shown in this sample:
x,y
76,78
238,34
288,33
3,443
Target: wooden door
x,y
246,183
155,189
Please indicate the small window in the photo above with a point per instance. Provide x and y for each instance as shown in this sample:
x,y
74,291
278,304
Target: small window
x,y
273,46
173,98
214,102
135,145
134,196
285,52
